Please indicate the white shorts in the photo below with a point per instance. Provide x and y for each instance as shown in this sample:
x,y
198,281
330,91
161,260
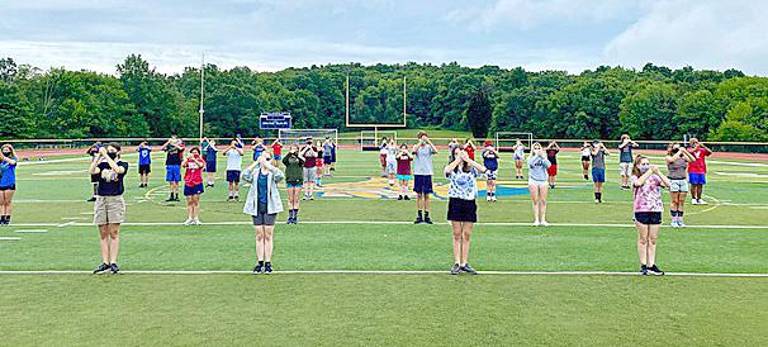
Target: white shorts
x,y
537,183
391,167
678,186
491,175
625,169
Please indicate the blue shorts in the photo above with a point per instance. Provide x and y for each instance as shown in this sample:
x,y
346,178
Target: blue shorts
x,y
403,177
198,189
210,166
327,159
598,175
422,184
173,173
697,178
233,176
294,184
278,157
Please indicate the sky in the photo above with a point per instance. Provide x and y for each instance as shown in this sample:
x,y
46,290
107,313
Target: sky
x,y
269,35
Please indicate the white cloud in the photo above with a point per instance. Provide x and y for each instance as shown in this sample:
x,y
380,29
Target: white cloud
x,y
704,34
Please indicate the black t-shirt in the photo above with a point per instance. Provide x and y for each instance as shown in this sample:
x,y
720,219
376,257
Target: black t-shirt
x,y
174,155
114,186
552,155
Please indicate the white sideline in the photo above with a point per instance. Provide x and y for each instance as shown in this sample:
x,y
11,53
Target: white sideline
x,y
358,222
383,272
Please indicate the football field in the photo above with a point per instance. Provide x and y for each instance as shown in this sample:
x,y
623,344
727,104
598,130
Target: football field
x,y
356,271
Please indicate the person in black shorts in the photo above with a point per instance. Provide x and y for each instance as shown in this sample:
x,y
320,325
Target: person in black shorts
x,y
647,182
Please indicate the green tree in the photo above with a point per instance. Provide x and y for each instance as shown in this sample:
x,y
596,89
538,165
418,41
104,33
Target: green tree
x,y
650,113
479,113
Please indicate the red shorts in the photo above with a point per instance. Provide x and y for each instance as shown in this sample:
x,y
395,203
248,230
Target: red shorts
x,y
552,170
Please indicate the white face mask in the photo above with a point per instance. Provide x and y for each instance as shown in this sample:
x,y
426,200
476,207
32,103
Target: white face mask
x,y
644,168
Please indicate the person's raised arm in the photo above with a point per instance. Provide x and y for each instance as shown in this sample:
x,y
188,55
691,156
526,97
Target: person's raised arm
x,y
112,164
687,155
664,179
452,166
8,160
94,168
479,167
641,180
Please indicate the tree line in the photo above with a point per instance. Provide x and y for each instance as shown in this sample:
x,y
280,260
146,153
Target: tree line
x,y
137,101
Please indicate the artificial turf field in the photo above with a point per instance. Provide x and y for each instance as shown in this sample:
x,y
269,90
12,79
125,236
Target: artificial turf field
x,y
397,290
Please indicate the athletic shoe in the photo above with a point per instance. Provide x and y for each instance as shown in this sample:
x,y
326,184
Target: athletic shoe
x,y
229,198
544,224
586,178
493,198
654,270
237,197
406,197
702,202
456,269
427,220
103,267
694,202
597,201
197,222
312,197
258,269
468,269
399,197
92,199
268,268
643,270
114,268
680,224
189,221
418,220
488,198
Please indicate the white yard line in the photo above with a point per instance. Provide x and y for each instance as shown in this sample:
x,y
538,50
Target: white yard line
x,y
32,231
382,272
368,222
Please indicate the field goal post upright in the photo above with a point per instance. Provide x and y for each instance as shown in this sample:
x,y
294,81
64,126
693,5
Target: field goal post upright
x,y
506,140
369,139
376,126
298,136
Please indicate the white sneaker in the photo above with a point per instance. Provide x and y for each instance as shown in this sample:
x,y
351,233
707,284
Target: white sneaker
x,y
197,222
680,224
493,198
488,198
544,224
694,202
189,221
536,223
702,202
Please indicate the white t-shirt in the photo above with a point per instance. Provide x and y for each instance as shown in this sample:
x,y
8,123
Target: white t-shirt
x,y
463,184
234,160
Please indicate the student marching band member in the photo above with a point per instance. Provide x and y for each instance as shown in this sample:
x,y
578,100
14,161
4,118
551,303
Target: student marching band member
x,y
462,208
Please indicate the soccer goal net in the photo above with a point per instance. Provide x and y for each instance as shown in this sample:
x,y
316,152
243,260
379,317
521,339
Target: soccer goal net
x,y
506,140
289,136
371,140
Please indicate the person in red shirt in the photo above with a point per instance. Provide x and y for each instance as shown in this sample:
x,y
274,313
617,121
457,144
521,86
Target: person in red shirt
x,y
193,184
470,148
277,152
404,159
309,153
697,170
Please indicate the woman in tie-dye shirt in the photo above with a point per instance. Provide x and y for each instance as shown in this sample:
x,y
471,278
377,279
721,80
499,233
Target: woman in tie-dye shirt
x,y
647,181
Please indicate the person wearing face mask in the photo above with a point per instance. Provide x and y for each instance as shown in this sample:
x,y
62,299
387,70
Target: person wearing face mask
x,y
208,147
263,204
234,154
145,163
93,151
8,161
491,162
422,176
391,161
538,185
462,208
109,208
519,157
294,163
174,149
586,156
677,162
625,159
647,181
193,184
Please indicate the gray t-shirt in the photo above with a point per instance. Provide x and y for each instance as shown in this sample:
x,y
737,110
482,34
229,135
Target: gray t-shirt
x,y
538,168
598,160
234,160
422,164
677,169
327,149
625,154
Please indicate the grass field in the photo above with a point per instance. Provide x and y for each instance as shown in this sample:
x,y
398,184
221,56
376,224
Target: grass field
x,y
357,227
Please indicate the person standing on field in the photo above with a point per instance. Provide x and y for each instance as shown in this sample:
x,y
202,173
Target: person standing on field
x,y
263,204
462,208
423,152
109,208
552,149
234,154
209,151
8,162
598,169
625,160
697,170
538,166
294,179
491,162
193,184
174,149
145,163
677,162
647,181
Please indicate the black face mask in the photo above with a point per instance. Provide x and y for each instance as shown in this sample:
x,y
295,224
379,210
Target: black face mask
x,y
112,156
6,153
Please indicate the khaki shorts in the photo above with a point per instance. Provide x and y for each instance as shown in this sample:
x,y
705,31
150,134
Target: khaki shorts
x,y
109,210
625,169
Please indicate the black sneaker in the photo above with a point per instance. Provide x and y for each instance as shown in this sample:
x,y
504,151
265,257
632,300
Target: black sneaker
x,y
428,220
399,197
468,269
418,220
643,270
114,268
170,199
654,270
103,267
407,197
268,268
456,269
258,269
92,199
